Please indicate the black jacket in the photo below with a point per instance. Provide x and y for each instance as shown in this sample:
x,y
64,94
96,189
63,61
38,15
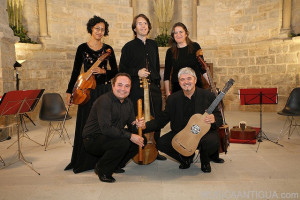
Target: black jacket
x,y
174,111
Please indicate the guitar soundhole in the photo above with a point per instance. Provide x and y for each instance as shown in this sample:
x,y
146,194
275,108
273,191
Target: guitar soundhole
x,y
195,129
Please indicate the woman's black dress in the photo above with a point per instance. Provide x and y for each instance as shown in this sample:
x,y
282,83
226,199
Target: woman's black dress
x,y
81,160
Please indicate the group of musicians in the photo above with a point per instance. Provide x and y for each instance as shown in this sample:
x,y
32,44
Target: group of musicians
x,y
106,127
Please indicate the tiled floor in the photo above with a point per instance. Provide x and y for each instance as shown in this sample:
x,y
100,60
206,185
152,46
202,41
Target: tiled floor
x,y
271,173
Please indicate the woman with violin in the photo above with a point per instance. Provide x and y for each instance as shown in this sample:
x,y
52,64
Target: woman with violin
x,y
182,53
87,54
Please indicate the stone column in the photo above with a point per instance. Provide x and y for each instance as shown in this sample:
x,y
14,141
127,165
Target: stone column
x,y
295,16
7,60
43,18
7,51
286,17
133,5
194,24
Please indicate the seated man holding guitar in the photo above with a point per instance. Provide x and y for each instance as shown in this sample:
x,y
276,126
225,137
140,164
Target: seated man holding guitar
x,y
180,107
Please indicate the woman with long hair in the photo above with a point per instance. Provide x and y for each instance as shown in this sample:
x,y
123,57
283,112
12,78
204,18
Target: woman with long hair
x,y
182,53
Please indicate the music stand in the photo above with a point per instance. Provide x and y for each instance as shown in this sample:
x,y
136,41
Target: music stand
x,y
24,114
259,96
16,103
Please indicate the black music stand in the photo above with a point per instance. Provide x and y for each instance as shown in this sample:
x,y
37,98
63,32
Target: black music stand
x,y
17,103
22,120
259,96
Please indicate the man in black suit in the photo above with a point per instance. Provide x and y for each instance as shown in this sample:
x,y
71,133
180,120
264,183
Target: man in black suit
x,y
180,107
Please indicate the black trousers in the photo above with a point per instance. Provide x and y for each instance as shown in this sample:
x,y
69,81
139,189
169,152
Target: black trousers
x,y
80,159
208,146
112,152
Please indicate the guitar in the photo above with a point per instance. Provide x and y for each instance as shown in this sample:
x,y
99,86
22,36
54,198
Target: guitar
x,y
186,141
223,130
85,82
149,153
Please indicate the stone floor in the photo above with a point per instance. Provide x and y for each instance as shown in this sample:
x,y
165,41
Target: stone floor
x,y
272,172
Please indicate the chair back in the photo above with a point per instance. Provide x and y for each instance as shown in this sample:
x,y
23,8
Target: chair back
x,y
293,103
53,108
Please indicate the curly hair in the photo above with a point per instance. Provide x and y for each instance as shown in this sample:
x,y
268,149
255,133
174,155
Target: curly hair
x,y
133,26
95,20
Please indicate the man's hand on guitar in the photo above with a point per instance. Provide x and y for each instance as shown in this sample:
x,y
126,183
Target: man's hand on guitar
x,y
136,139
143,73
210,119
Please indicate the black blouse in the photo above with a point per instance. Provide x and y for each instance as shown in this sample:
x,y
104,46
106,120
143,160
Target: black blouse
x,y
87,57
185,59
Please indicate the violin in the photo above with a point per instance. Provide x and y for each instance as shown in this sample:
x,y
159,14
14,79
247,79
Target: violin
x,y
85,82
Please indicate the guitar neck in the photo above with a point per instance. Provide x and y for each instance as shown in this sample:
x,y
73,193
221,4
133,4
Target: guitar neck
x,y
215,103
96,64
147,113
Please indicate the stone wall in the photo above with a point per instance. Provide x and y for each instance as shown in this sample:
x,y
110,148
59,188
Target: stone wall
x,y
265,64
7,52
223,22
296,16
7,60
240,38
49,65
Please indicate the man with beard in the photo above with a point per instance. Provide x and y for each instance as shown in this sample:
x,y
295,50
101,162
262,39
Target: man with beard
x,y
180,106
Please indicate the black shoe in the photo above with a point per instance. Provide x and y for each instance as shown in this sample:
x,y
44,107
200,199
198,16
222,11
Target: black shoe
x,y
218,160
205,167
184,165
103,177
119,171
160,157
186,162
106,178
96,170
